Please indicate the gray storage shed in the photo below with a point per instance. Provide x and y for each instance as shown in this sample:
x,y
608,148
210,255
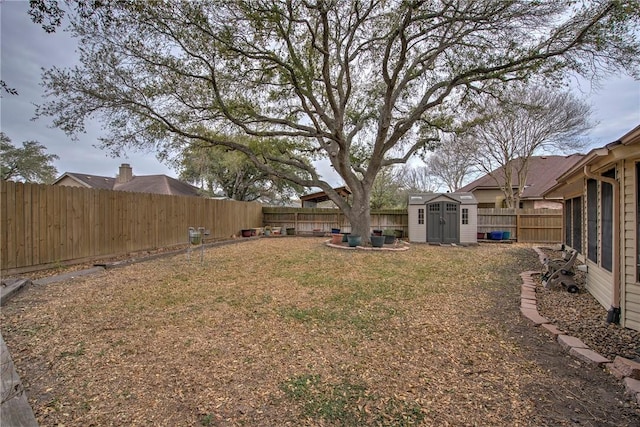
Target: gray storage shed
x,y
443,218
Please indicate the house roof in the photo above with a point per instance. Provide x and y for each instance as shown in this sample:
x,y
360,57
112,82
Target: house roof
x,y
630,138
321,196
89,181
463,198
543,172
155,184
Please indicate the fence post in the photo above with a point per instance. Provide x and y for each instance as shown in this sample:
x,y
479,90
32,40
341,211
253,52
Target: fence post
x,y
518,225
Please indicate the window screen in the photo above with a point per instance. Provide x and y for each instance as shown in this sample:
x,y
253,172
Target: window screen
x,y
576,224
607,221
567,223
592,220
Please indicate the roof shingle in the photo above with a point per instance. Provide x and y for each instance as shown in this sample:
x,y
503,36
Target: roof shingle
x,y
543,172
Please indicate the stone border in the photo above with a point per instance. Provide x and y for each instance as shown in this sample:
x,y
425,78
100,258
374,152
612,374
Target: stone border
x,y
395,248
628,371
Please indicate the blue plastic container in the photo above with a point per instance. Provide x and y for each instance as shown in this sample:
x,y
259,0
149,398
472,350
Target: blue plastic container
x,y
496,235
506,235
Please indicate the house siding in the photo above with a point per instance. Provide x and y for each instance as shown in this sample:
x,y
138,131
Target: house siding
x,y
70,182
624,156
600,284
489,198
630,303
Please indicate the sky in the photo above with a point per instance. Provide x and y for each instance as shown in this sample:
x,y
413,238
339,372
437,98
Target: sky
x,y
25,49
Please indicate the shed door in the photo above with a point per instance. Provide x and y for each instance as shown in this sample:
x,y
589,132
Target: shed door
x,y
443,223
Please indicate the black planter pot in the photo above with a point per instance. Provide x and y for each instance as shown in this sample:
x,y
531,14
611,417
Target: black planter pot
x,y
354,240
377,241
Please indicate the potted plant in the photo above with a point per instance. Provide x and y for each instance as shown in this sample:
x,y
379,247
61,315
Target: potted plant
x,y
389,236
354,240
267,230
336,238
377,241
246,232
291,231
377,233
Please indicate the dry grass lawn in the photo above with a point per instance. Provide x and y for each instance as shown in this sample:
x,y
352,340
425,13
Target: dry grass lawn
x,y
283,332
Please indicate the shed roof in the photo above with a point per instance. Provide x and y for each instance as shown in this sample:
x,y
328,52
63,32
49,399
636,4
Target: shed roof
x,y
464,198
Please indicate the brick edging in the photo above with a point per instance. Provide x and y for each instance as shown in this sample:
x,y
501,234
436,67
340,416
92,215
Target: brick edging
x,y
572,345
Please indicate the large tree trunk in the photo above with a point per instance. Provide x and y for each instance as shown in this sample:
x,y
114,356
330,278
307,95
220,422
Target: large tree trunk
x,y
359,215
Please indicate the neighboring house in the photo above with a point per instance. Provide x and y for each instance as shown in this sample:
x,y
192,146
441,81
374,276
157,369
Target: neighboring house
x,y
443,218
543,171
126,181
602,222
321,200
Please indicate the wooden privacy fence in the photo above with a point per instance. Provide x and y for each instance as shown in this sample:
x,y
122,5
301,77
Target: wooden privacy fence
x,y
308,220
525,225
42,225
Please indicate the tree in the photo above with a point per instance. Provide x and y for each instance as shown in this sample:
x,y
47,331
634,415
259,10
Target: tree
x,y
417,179
27,164
5,88
386,192
525,123
366,84
218,169
452,162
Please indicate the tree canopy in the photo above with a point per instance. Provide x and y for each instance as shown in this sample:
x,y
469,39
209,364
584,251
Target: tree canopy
x,y
528,121
30,163
364,84
218,170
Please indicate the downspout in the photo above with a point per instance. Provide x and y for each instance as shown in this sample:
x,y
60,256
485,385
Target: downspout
x,y
613,315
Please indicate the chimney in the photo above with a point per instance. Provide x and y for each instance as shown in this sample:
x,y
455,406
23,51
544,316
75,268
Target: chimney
x,y
125,175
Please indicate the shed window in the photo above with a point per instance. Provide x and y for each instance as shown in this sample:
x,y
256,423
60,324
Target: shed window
x,y
465,216
421,216
607,221
592,220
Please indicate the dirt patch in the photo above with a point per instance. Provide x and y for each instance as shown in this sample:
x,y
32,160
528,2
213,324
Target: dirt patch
x,y
290,332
